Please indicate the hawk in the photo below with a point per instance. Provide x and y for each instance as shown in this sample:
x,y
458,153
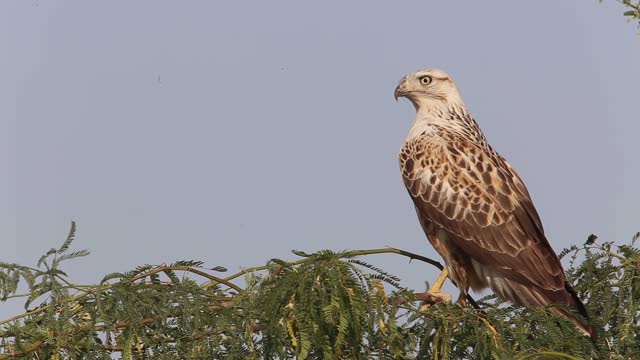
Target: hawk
x,y
474,208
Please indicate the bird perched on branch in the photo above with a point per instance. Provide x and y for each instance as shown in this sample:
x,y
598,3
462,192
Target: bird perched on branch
x,y
473,206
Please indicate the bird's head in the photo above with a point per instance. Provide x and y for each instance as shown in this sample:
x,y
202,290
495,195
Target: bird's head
x,y
428,88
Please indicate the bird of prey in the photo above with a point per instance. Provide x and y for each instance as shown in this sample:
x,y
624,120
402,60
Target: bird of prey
x,y
473,206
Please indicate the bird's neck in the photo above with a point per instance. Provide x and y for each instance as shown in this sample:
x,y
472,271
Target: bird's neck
x,y
450,117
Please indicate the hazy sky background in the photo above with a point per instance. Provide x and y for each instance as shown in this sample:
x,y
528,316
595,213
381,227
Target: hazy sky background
x,y
232,132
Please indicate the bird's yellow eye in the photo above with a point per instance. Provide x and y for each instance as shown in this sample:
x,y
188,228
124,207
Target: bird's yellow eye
x,y
425,80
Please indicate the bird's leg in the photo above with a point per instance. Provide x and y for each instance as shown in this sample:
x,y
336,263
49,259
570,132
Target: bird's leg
x,y
434,295
462,298
437,285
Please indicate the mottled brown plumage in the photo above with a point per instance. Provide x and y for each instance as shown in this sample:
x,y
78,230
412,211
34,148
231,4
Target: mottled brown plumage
x,y
473,206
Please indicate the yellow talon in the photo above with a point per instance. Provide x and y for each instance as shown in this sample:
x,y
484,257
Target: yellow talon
x,y
434,292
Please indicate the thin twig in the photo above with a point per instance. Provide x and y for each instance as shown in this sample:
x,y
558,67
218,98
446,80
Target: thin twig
x,y
30,349
196,271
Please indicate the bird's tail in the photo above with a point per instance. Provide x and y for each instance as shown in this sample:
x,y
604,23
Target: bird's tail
x,y
534,297
572,300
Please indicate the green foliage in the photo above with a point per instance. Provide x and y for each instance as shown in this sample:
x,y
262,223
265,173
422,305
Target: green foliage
x,y
325,305
632,10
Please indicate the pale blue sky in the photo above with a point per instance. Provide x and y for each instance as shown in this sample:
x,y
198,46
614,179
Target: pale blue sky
x,y
232,132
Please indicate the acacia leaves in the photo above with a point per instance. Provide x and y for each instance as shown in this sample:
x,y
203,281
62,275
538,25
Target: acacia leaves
x,y
323,305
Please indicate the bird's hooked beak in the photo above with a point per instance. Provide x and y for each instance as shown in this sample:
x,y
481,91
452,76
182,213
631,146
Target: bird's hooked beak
x,y
400,91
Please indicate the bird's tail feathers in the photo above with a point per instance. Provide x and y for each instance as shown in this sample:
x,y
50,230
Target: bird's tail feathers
x,y
583,324
535,297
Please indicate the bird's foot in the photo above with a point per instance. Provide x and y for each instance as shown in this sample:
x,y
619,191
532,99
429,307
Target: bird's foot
x,y
433,297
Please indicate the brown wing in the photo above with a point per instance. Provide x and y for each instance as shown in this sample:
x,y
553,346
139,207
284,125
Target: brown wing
x,y
476,195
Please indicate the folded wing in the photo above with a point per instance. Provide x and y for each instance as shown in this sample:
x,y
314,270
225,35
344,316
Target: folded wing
x,y
476,195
